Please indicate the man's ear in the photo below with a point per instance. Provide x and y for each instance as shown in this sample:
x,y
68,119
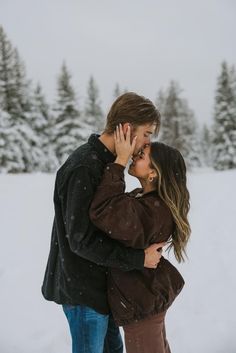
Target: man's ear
x,y
125,127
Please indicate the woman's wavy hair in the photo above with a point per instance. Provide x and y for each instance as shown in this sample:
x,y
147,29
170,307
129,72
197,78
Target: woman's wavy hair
x,y
172,188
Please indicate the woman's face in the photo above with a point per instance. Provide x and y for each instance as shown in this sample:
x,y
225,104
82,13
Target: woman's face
x,y
140,167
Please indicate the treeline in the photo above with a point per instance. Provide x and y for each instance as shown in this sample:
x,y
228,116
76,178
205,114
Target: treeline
x,y
213,146
38,136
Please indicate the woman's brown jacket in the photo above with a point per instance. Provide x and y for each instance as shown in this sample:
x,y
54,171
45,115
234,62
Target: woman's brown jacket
x,y
137,222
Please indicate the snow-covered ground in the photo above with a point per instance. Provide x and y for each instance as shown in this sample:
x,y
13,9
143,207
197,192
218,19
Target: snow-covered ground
x,y
203,318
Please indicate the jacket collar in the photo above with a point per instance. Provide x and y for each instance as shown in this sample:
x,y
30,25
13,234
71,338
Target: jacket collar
x,y
104,154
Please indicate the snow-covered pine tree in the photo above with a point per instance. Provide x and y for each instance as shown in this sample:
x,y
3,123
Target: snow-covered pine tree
x,y
41,122
232,75
233,85
29,140
68,129
206,146
168,103
117,91
161,104
224,126
8,158
178,124
7,83
15,101
11,155
21,85
93,111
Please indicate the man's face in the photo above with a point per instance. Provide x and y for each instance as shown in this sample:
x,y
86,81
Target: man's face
x,y
143,133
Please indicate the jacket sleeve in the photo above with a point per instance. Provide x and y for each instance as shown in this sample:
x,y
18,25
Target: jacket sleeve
x,y
84,238
122,217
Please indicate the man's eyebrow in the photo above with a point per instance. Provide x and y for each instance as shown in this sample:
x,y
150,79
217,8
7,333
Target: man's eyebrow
x,y
149,132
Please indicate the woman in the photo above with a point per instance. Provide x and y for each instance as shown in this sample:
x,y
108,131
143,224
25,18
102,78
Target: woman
x,y
155,213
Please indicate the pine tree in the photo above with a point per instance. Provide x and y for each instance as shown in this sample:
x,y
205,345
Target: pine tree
x,y
206,146
15,101
232,76
11,155
179,127
117,91
21,84
14,88
26,138
224,127
41,122
7,84
93,111
233,85
40,111
68,127
18,151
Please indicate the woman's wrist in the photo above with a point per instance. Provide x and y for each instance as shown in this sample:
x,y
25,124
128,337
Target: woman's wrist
x,y
121,161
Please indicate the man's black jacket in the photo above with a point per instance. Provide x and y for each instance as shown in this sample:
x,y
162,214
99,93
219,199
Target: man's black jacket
x,y
80,253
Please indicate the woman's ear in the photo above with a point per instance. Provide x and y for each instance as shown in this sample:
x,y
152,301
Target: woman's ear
x,y
153,173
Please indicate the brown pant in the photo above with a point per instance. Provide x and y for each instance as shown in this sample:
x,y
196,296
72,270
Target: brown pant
x,y
147,336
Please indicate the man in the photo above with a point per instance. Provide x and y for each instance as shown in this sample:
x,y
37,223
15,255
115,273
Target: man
x,y
80,254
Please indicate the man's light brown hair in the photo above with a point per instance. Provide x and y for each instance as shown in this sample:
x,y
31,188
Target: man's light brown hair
x,y
134,109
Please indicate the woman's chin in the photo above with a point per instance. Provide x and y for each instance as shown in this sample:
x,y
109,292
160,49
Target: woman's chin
x,y
131,172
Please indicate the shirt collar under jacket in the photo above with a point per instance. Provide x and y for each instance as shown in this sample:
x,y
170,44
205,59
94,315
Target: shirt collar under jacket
x,y
104,154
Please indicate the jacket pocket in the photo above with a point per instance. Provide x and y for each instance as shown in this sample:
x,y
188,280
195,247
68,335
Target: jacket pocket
x,y
121,307
167,283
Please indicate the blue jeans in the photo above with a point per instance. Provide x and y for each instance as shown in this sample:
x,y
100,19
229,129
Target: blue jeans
x,y
91,331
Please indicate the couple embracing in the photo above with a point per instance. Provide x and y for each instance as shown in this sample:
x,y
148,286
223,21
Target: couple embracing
x,y
105,265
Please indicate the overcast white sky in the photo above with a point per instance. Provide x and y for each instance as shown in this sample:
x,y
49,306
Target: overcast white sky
x,y
141,44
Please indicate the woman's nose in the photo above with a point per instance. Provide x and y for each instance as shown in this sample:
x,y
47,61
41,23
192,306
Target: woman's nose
x,y
135,156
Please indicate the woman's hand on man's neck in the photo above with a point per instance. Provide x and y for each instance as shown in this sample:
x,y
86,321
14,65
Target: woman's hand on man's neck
x,y
108,141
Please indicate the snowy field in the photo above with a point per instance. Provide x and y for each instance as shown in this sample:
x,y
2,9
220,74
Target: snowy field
x,y
203,318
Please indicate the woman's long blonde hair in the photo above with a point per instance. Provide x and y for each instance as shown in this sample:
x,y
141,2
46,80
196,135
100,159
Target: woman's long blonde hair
x,y
172,188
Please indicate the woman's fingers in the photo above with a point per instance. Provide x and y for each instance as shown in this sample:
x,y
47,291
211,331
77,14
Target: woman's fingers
x,y
121,133
128,134
133,144
120,137
118,134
